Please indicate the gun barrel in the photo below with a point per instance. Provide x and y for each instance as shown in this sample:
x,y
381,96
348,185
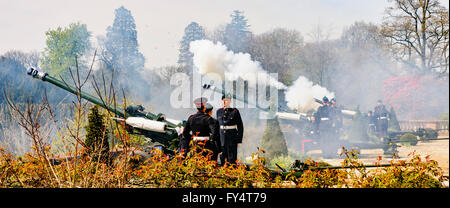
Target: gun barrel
x,y
38,74
348,112
218,90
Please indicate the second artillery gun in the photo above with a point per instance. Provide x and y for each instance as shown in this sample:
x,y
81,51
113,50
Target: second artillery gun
x,y
159,129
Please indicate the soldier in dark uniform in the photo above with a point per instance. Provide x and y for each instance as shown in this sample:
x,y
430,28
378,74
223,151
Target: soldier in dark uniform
x,y
213,144
336,116
381,115
200,128
324,124
231,130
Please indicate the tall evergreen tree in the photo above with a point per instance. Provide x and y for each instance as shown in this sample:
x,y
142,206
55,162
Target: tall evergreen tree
x,y
273,141
121,54
192,32
237,35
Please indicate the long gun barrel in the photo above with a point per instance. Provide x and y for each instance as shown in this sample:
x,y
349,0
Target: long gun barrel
x,y
218,90
36,73
281,115
157,127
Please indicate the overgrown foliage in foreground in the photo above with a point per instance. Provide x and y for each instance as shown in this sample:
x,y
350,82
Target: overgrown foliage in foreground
x,y
195,170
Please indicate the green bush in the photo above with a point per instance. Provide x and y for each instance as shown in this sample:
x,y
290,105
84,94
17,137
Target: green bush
x,y
408,139
273,141
97,135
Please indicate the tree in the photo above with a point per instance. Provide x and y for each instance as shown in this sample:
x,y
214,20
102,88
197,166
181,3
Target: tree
x,y
97,135
237,34
26,59
418,32
277,51
417,96
121,52
361,59
18,85
273,141
192,32
65,46
319,57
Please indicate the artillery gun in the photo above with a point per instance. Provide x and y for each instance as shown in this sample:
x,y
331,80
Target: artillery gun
x,y
156,127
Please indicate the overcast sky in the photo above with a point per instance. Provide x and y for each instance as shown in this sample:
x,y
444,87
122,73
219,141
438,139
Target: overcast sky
x,y
160,24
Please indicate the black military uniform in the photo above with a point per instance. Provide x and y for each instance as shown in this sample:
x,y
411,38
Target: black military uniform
x,y
324,124
201,128
213,144
231,132
381,115
337,117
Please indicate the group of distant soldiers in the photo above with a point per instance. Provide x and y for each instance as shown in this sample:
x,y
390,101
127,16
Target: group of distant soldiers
x,y
221,136
327,124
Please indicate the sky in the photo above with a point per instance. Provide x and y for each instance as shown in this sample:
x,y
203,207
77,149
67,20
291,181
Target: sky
x,y
160,24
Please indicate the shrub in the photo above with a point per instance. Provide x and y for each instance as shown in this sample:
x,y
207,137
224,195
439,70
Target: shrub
x,y
408,139
273,141
97,135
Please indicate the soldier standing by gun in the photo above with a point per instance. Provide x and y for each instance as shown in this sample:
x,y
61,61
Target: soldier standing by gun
x,y
231,130
200,128
214,145
337,116
382,116
324,124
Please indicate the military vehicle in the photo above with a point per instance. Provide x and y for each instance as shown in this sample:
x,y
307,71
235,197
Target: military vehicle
x,y
156,127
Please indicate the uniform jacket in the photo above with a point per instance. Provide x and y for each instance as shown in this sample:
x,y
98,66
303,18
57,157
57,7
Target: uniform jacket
x,y
380,111
230,117
200,124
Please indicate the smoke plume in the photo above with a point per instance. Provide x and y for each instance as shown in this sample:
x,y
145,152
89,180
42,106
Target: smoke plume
x,y
302,93
216,58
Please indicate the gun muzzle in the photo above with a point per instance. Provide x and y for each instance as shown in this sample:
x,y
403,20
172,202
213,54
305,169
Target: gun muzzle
x,y
36,73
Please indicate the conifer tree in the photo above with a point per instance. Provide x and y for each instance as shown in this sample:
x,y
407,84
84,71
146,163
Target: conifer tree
x,y
192,32
237,33
97,135
273,141
121,46
121,54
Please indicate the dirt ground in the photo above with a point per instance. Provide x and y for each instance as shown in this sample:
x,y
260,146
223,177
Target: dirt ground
x,y
438,151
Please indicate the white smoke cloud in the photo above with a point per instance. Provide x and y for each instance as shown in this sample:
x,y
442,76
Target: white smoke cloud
x,y
302,93
216,58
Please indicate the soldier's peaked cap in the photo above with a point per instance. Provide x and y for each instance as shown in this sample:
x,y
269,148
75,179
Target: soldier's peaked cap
x,y
200,102
208,107
227,96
